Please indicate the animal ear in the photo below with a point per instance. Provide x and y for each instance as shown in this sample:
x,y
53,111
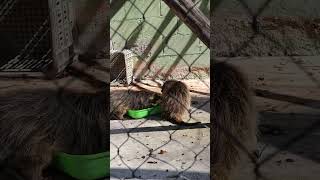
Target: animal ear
x,y
161,83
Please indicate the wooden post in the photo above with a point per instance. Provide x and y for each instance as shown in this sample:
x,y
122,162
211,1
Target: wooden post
x,y
192,17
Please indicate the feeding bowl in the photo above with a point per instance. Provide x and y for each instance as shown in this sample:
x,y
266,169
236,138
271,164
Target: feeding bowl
x,y
141,113
83,167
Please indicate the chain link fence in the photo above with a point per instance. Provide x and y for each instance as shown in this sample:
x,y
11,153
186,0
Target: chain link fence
x,y
243,31
163,48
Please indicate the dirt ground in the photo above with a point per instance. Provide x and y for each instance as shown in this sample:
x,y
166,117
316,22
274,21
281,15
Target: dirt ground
x,y
233,35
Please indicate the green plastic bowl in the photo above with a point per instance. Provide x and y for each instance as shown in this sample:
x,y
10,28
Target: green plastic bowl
x,y
138,114
83,167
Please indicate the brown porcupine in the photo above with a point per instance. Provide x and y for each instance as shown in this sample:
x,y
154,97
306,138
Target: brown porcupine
x,y
174,101
233,120
123,100
35,124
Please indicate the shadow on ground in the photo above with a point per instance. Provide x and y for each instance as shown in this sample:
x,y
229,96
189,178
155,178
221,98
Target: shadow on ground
x,y
296,133
164,174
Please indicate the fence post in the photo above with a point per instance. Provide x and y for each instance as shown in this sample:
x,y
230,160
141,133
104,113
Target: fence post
x,y
192,16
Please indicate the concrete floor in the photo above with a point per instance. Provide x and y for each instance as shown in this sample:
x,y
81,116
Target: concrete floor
x,y
289,125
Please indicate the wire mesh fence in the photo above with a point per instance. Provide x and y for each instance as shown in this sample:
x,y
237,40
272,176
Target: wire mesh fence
x,y
152,147
242,29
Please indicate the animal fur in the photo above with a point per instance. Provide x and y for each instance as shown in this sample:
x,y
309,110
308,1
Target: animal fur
x,y
34,124
174,101
123,100
234,119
